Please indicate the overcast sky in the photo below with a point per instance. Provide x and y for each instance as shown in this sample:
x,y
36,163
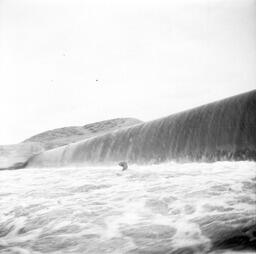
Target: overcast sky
x,y
72,62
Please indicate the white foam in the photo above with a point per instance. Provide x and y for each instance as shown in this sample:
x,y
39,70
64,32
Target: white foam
x,y
84,207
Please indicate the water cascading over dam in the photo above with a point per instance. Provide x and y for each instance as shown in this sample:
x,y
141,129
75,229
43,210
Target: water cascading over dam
x,y
222,130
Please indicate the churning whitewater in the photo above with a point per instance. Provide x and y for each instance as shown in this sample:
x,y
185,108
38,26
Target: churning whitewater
x,y
168,208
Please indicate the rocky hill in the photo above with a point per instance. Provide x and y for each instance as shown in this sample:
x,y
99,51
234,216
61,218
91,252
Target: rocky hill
x,y
63,136
15,156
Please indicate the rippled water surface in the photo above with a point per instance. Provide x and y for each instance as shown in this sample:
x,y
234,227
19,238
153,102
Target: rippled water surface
x,y
171,208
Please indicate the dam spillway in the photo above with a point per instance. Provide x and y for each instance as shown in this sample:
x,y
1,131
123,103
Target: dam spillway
x,y
222,130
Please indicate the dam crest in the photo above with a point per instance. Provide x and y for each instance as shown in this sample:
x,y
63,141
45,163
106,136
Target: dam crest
x,y
222,130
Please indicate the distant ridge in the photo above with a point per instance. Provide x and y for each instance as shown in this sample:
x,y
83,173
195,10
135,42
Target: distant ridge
x,y
66,135
15,156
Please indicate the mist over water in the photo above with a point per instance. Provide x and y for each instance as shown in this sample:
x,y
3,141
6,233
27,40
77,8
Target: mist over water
x,y
167,208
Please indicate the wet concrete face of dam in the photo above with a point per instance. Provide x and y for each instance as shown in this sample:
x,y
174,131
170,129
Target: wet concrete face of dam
x,y
223,130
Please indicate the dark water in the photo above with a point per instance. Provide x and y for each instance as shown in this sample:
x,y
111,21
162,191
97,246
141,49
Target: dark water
x,y
169,208
224,130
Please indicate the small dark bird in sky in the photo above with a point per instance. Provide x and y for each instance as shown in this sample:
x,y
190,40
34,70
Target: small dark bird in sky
x,y
97,80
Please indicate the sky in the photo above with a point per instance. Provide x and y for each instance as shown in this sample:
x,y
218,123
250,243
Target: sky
x,y
73,62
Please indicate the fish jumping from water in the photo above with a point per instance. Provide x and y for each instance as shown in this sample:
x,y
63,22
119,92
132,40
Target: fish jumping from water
x,y
124,165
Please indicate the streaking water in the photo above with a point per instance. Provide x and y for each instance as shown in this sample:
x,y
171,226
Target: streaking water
x,y
170,208
219,131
